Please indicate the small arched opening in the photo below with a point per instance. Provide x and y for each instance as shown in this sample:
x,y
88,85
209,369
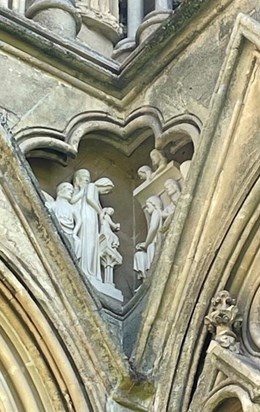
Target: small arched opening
x,y
229,405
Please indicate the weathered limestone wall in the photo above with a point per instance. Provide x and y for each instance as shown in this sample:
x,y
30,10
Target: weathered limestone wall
x,y
41,304
33,97
37,94
186,85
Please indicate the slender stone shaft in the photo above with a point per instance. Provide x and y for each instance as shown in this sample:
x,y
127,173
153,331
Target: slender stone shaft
x,y
135,12
114,6
4,3
95,4
163,5
18,6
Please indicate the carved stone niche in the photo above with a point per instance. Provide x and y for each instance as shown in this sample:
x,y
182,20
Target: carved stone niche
x,y
108,148
106,160
164,177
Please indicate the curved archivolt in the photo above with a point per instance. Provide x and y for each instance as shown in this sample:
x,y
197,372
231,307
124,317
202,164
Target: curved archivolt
x,y
35,373
126,134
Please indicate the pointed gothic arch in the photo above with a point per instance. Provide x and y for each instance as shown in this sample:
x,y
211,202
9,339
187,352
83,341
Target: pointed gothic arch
x,y
36,373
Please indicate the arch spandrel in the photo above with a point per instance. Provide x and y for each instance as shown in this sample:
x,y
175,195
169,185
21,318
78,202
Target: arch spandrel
x,y
222,186
60,319
226,376
199,256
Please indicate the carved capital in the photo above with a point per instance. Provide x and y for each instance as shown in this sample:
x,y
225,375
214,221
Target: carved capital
x,y
224,321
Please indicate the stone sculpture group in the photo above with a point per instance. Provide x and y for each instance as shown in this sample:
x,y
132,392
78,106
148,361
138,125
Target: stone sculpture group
x,y
158,214
90,229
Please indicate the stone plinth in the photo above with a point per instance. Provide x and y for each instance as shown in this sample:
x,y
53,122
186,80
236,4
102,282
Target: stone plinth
x,y
123,49
109,258
108,289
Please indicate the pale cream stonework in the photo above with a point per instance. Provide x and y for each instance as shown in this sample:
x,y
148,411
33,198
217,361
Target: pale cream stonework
x,y
183,82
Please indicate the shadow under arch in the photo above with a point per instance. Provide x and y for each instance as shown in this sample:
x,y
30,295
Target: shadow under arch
x,y
225,397
230,404
36,373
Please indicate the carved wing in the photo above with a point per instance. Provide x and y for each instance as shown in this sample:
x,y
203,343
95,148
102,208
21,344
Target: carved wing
x,y
48,199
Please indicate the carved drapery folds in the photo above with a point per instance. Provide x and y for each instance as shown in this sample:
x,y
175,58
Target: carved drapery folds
x,y
224,321
89,228
158,196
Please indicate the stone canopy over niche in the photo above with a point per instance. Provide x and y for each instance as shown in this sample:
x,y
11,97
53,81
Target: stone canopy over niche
x,y
102,155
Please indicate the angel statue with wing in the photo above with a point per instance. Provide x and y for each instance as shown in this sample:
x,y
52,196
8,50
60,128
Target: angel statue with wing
x,y
67,215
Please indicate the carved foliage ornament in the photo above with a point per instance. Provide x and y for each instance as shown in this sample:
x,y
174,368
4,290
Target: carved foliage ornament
x,y
4,122
224,321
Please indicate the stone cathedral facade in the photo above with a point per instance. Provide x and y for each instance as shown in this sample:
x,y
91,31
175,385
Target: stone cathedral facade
x,y
129,206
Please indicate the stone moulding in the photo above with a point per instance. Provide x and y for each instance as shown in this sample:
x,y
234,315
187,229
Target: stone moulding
x,y
124,135
27,139
39,6
98,366
196,260
26,312
226,375
100,76
105,24
183,280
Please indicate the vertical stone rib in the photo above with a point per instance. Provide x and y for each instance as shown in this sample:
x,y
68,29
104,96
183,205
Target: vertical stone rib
x,y
163,5
94,4
4,3
114,8
135,12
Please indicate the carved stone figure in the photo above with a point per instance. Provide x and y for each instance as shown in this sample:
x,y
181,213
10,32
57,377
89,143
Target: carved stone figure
x,y
159,162
146,250
107,227
86,199
173,191
224,322
109,243
104,185
68,217
145,173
